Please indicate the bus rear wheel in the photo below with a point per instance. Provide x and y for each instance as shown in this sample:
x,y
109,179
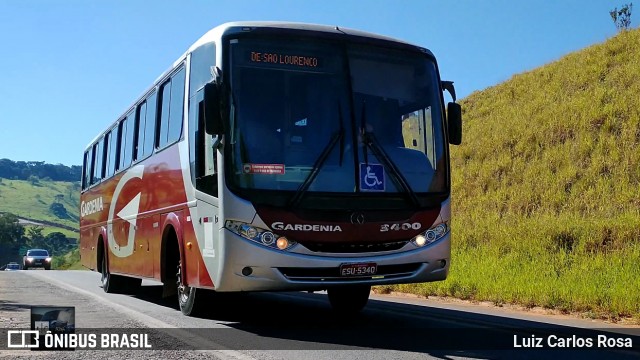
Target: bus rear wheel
x,y
349,300
190,299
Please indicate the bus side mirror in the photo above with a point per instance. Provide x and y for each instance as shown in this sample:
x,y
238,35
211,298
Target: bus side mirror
x,y
454,114
454,117
212,118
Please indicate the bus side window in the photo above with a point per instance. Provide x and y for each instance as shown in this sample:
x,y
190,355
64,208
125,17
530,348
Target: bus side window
x,y
98,154
114,141
165,99
205,154
107,152
122,130
97,162
172,98
176,110
87,169
203,159
150,127
146,126
141,121
128,139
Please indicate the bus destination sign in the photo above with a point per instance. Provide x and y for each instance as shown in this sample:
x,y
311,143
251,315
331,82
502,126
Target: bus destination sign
x,y
284,59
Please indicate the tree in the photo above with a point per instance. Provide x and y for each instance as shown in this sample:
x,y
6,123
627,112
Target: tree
x,y
21,170
56,242
622,18
58,210
35,232
59,198
36,239
11,232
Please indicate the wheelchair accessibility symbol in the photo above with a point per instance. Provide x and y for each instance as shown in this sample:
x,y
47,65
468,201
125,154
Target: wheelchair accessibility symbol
x,y
371,177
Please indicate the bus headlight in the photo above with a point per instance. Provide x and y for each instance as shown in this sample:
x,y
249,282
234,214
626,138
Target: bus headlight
x,y
420,240
267,238
259,235
434,234
248,231
282,243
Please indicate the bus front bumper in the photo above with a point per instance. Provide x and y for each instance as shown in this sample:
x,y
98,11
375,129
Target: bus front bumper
x,y
252,267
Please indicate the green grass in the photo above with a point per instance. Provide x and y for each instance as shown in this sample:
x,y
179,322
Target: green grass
x,y
68,261
29,200
50,229
546,187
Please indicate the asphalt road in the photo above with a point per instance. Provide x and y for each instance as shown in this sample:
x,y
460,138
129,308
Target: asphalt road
x,y
295,325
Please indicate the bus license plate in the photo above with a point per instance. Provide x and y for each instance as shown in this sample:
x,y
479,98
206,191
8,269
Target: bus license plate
x,y
361,269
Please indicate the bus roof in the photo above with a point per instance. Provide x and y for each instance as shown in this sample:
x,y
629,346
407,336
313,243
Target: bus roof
x,y
217,32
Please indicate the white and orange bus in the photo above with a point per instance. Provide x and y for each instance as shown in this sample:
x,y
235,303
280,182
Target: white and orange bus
x,y
276,156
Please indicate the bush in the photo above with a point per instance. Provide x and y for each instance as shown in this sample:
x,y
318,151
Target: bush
x,y
58,210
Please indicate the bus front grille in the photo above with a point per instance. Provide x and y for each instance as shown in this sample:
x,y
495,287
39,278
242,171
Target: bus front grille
x,y
354,248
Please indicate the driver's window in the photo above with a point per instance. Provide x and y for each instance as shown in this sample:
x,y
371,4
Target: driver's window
x,y
417,132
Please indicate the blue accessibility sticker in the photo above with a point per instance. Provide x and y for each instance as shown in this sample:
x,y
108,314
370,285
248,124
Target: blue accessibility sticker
x,y
371,177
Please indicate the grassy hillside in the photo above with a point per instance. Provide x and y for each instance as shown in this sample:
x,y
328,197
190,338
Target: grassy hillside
x,y
69,261
50,229
32,200
546,187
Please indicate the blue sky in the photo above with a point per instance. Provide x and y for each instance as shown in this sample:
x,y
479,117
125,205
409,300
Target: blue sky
x,y
72,67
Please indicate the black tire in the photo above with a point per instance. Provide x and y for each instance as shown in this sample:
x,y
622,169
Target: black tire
x,y
349,300
25,268
47,267
191,300
117,284
110,283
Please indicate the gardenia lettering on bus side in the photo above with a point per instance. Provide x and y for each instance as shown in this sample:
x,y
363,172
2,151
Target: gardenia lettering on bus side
x,y
91,207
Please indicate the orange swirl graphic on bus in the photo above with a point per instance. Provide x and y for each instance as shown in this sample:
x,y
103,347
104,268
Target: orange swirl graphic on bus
x,y
128,213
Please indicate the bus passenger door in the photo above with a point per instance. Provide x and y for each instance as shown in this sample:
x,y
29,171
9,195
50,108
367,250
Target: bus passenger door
x,y
204,150
207,184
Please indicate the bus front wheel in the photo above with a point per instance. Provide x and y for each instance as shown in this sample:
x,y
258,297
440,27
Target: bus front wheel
x,y
110,283
349,299
190,299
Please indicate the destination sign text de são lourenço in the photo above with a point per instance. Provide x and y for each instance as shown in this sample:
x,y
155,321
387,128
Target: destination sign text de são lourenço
x,y
284,59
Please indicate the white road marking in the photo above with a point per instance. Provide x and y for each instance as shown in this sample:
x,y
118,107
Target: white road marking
x,y
184,336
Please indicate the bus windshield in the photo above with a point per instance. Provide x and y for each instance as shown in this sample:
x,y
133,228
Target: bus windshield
x,y
367,118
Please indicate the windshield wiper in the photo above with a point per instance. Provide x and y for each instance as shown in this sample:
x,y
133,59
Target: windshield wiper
x,y
371,142
295,200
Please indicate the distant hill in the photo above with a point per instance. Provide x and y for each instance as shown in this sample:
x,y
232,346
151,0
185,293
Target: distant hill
x,y
33,201
45,207
41,193
546,186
